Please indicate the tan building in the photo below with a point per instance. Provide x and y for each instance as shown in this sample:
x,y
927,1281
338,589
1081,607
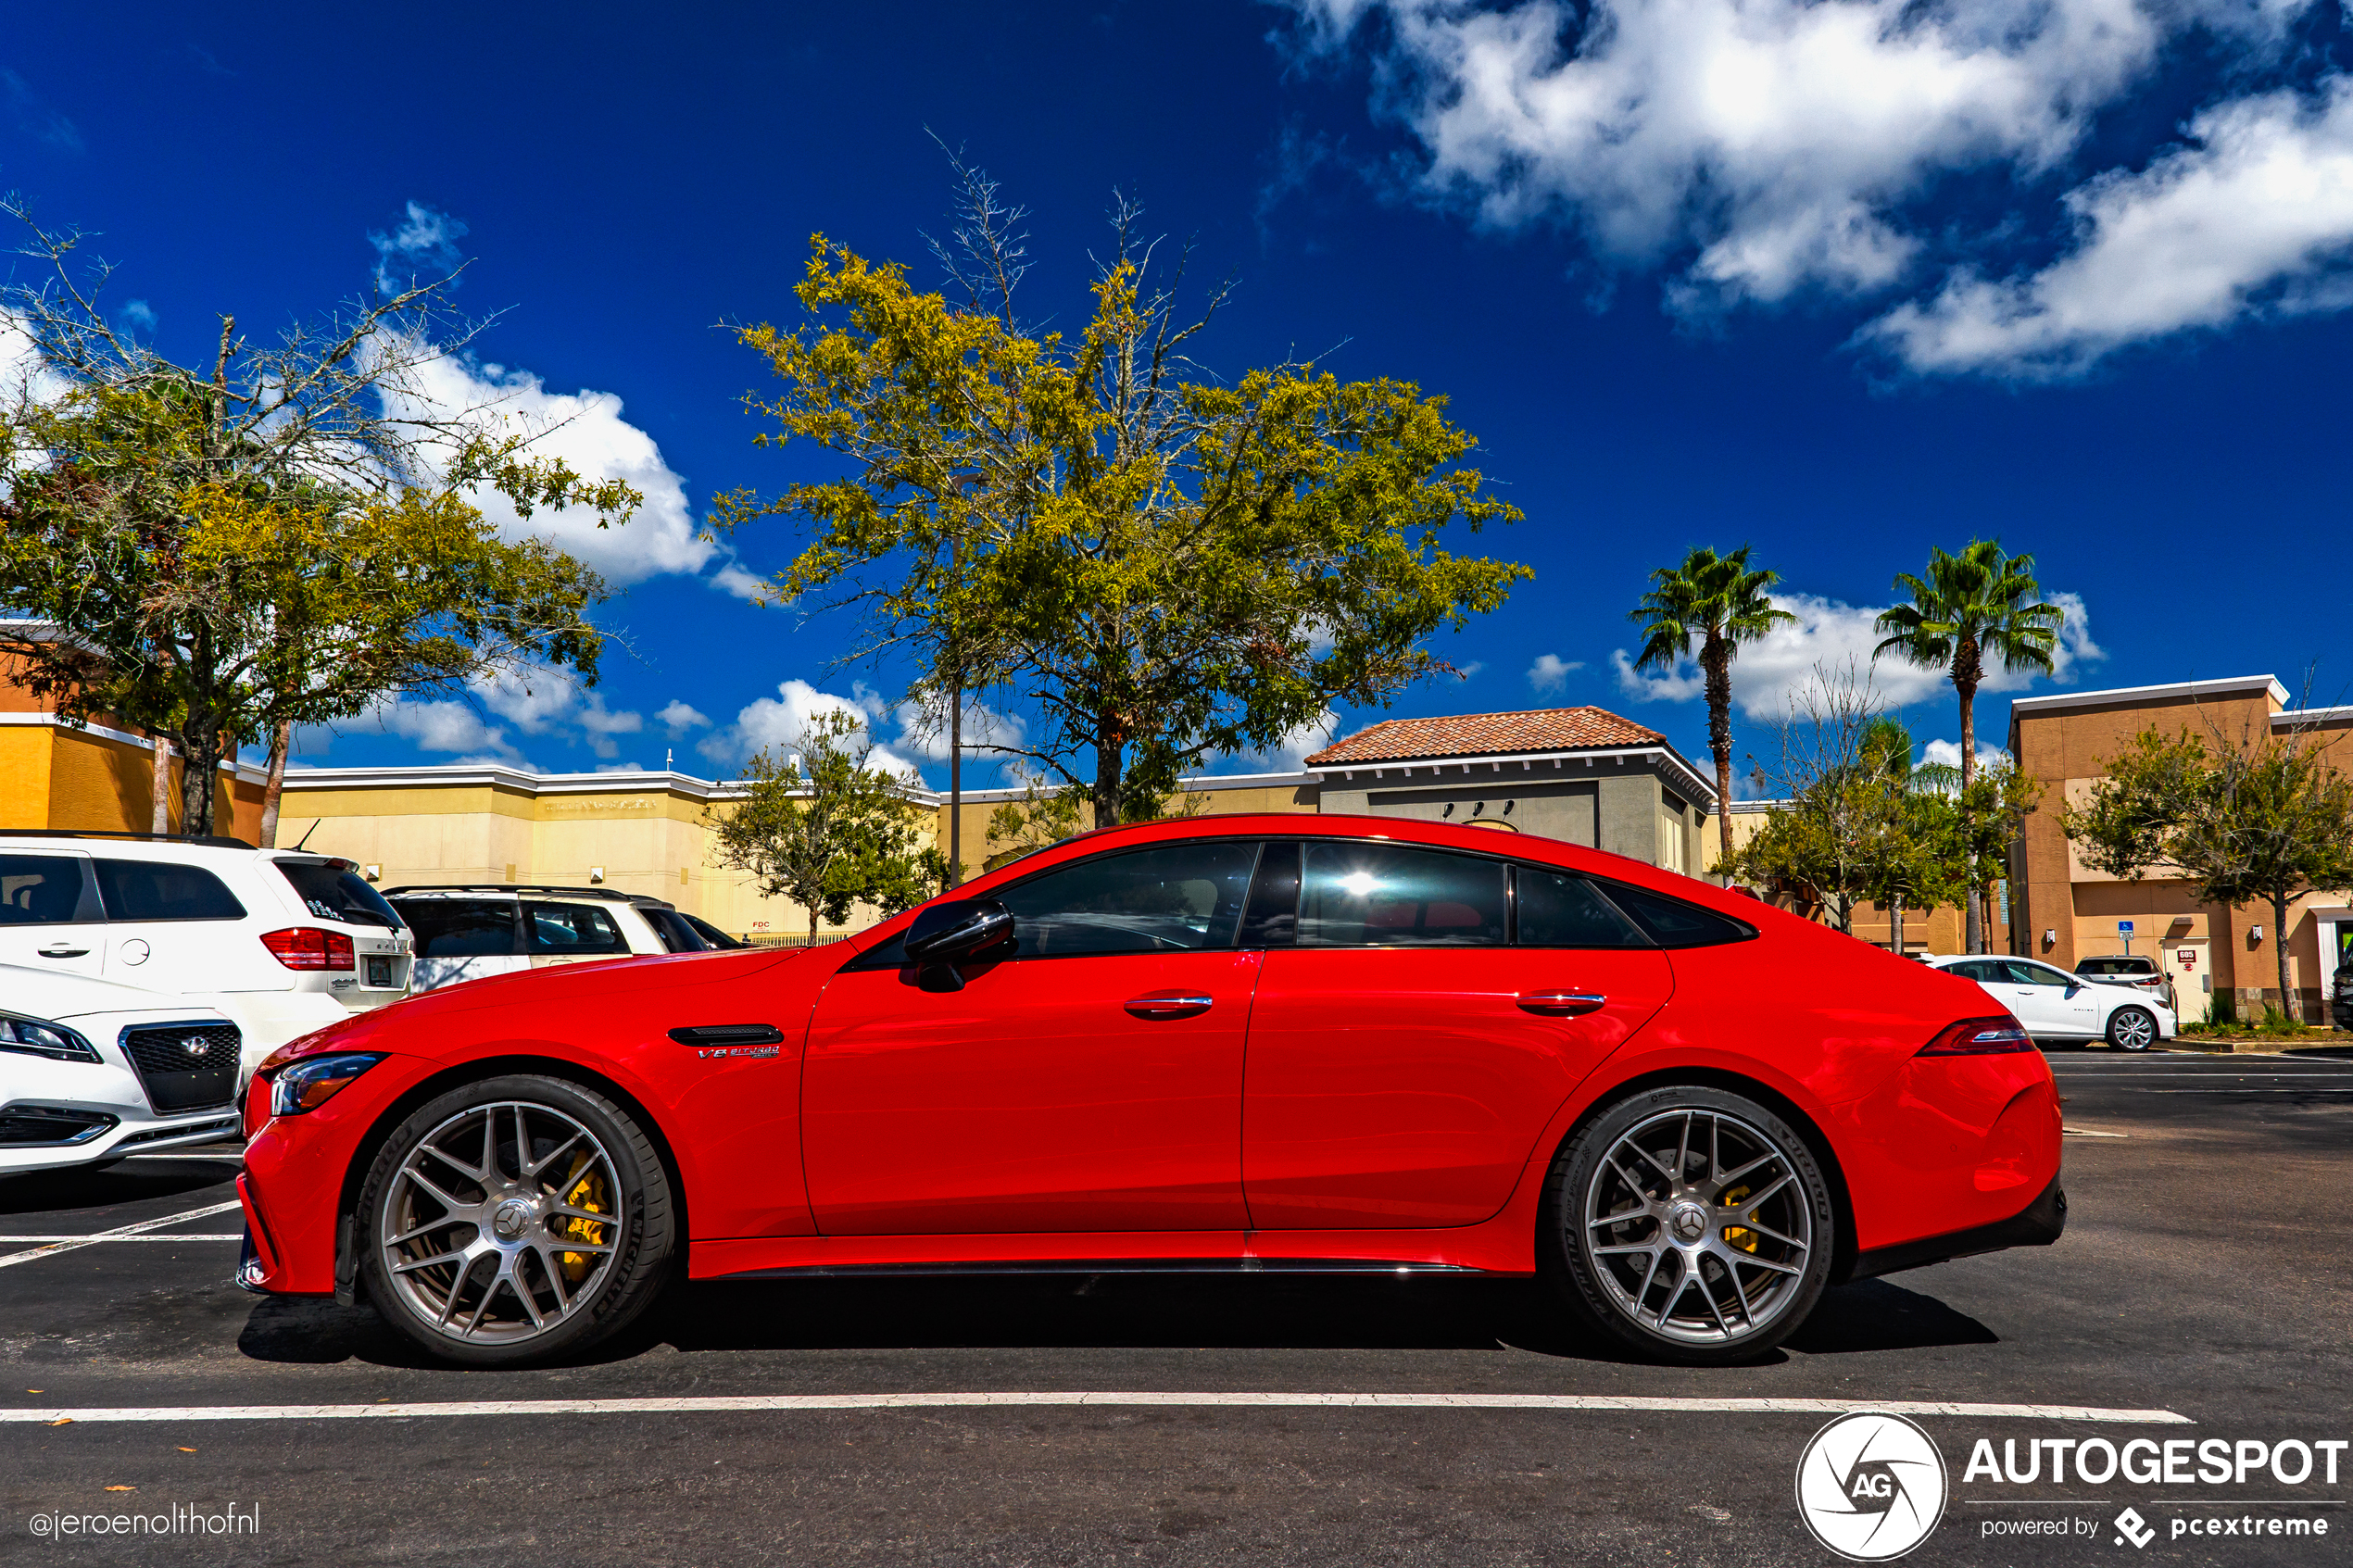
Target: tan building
x,y
2066,912
1581,774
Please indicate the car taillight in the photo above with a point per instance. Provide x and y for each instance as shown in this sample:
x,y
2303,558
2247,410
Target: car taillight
x,y
307,946
1980,1036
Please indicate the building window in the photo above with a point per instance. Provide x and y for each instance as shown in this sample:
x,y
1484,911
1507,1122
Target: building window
x,y
1671,854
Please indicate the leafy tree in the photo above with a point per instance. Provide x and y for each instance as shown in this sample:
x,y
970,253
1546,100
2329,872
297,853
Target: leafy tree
x,y
1973,607
2264,818
282,540
822,829
1163,566
1719,603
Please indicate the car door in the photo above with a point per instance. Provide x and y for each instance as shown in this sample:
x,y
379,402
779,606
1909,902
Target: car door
x,y
51,917
176,927
2075,1006
1403,1054
1092,1081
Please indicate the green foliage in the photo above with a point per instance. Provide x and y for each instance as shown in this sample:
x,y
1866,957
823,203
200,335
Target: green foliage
x,y
1718,602
828,832
2263,818
284,540
1165,567
1037,819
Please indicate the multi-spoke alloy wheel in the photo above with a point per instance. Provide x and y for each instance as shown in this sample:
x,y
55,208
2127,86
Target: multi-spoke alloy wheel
x,y
1692,1222
511,1219
2132,1029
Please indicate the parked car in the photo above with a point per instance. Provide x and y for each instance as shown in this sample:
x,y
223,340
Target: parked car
x,y
2142,974
1244,1043
2055,1005
2341,997
90,1070
472,931
282,942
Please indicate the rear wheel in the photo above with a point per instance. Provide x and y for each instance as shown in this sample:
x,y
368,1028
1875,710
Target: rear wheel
x,y
2132,1029
1689,1222
515,1218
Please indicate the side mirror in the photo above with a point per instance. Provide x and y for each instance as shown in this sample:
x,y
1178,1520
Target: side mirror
x,y
945,934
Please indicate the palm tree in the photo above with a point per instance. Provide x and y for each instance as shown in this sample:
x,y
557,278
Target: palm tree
x,y
1975,607
1720,602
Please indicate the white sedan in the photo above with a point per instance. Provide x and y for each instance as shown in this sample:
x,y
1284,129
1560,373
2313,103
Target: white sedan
x,y
2055,1005
92,1071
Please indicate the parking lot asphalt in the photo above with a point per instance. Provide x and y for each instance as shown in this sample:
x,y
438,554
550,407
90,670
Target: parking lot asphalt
x,y
2207,1272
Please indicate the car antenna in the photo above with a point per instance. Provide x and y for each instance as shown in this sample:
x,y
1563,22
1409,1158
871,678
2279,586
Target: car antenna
x,y
307,831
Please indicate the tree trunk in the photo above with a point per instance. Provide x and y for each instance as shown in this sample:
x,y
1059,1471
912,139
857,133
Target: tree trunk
x,y
274,786
199,777
1973,905
159,787
955,784
1896,926
1109,793
2290,1005
1715,661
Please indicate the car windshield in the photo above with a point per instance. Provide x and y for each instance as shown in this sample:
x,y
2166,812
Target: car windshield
x,y
333,891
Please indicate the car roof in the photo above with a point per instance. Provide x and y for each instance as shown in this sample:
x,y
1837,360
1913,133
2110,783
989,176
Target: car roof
x,y
517,889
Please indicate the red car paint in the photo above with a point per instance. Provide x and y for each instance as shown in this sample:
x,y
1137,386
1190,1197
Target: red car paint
x,y
1397,1105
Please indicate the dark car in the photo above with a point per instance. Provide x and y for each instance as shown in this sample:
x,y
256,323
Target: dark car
x,y
2341,999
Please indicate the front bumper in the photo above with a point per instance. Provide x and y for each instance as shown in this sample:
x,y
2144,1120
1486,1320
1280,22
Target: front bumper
x,y
2038,1225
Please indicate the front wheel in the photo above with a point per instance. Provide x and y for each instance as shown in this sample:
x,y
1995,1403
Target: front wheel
x,y
515,1218
2132,1029
1689,1222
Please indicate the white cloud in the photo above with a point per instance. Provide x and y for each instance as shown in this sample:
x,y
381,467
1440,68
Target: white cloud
x,y
1767,672
777,724
443,724
678,718
1760,149
2253,218
1466,671
925,735
1289,752
425,240
1550,672
138,315
587,430
1948,754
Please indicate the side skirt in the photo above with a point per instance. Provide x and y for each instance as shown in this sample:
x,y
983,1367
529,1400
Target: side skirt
x,y
1105,1266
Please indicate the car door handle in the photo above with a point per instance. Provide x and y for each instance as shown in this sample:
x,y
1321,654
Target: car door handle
x,y
1561,1003
1168,1004
62,951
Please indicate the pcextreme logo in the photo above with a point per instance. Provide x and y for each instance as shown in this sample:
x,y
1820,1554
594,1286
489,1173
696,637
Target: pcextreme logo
x,y
1870,1486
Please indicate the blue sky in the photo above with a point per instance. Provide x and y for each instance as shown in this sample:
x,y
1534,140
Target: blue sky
x,y
1842,280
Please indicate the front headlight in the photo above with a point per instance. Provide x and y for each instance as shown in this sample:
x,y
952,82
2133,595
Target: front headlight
x,y
38,1036
312,1082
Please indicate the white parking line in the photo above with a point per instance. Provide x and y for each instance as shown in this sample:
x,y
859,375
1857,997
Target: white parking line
x,y
56,1247
730,1404
110,1240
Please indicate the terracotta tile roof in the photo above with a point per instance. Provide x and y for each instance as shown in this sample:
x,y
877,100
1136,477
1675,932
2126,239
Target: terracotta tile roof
x,y
1486,735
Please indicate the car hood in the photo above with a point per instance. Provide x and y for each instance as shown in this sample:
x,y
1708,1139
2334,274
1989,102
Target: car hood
x,y
44,992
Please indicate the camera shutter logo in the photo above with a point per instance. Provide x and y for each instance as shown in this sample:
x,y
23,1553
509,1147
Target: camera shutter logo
x,y
1870,1486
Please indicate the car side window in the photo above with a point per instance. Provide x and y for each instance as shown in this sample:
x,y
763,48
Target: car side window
x,y
1174,898
1563,909
1354,894
158,890
2041,974
571,930
39,889
462,928
1979,971
677,936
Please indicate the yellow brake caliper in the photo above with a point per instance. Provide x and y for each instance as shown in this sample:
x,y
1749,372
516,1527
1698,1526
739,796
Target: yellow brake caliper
x,y
1739,1235
588,1192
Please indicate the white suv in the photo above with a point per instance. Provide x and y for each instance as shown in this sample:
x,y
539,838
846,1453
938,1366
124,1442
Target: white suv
x,y
2055,1005
281,941
474,931
90,1072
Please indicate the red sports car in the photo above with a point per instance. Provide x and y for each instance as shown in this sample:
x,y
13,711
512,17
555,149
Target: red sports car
x,y
1330,1044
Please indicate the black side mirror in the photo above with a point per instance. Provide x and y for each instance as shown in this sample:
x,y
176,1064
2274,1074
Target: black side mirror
x,y
961,929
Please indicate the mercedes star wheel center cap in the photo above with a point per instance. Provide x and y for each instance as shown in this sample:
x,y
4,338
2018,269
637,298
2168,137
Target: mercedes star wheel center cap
x,y
511,1218
1688,1220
